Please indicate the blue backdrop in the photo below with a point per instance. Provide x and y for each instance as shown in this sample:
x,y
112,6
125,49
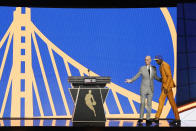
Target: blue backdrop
x,y
110,42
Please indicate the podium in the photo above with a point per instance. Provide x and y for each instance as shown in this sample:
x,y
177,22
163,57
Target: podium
x,y
88,94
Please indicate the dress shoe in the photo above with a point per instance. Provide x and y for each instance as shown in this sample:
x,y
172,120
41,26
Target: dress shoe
x,y
175,122
139,121
148,122
156,120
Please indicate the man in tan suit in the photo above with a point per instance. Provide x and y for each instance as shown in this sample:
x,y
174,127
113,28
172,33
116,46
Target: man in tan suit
x,y
166,90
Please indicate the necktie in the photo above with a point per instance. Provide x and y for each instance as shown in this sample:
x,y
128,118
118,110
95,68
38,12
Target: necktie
x,y
149,70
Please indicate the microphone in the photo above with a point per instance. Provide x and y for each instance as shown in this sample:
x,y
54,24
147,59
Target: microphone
x,y
88,72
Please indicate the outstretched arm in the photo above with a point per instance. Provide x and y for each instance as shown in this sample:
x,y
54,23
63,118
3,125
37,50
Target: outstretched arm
x,y
135,77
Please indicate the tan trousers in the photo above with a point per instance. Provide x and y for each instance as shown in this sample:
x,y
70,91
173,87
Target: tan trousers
x,y
170,97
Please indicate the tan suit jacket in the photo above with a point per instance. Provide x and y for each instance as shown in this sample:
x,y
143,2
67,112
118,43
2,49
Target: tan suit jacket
x,y
167,80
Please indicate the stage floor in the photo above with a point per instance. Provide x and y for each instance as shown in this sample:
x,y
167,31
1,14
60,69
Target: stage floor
x,y
68,123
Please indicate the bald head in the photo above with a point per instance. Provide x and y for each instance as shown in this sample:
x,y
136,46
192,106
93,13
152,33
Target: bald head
x,y
147,60
148,57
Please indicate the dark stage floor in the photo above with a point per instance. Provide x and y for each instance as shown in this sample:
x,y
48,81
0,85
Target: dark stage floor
x,y
68,123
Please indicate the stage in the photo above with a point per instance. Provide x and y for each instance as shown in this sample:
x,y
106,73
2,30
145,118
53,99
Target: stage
x,y
74,67
37,122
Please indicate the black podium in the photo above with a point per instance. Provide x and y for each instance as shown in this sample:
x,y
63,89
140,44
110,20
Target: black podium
x,y
88,94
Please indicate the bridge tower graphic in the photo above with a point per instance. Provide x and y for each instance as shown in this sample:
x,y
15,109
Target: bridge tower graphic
x,y
23,82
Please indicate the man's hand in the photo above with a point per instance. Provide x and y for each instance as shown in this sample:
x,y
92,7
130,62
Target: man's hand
x,y
128,81
165,91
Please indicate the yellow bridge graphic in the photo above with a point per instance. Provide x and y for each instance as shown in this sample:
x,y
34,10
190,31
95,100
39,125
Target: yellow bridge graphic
x,y
23,28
